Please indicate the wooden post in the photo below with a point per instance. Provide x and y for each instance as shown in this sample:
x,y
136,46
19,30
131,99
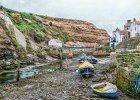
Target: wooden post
x,y
61,57
18,70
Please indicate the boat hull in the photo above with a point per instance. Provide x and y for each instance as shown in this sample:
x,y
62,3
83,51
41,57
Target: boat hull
x,y
93,61
86,71
105,89
113,95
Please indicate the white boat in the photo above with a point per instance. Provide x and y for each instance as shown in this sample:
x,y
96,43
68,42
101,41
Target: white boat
x,y
105,89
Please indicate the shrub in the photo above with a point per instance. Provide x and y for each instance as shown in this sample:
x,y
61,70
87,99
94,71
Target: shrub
x,y
30,49
108,49
38,38
50,23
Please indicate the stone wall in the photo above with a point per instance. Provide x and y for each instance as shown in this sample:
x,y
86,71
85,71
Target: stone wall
x,y
127,69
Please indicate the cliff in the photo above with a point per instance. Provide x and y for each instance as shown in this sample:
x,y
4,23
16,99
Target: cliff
x,y
25,33
76,29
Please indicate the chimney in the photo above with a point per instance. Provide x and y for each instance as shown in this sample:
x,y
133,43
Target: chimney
x,y
134,19
117,29
128,21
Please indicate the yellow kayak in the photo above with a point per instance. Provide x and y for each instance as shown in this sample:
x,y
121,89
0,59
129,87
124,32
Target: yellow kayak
x,y
85,65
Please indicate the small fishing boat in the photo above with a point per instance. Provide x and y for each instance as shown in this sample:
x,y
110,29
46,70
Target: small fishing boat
x,y
92,60
86,69
105,89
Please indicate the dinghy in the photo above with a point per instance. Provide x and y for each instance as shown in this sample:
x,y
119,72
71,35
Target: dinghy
x,y
105,89
92,60
86,69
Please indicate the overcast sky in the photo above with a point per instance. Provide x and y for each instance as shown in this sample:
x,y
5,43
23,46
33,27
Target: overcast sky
x,y
107,14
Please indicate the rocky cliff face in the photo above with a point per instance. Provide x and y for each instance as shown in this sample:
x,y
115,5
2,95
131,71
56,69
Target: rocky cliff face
x,y
6,46
24,33
78,30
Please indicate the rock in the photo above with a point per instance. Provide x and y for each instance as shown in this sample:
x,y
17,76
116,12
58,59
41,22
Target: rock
x,y
31,59
28,86
28,20
33,45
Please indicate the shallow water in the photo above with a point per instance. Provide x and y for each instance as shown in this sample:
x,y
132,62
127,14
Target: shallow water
x,y
11,76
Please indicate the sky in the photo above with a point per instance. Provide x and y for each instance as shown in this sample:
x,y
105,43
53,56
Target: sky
x,y
106,14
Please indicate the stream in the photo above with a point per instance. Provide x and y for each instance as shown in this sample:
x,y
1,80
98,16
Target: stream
x,y
11,76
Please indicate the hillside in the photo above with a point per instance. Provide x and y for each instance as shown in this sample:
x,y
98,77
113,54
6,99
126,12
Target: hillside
x,y
25,33
78,30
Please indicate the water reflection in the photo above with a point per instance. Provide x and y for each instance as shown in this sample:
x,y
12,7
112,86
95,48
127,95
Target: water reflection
x,y
6,77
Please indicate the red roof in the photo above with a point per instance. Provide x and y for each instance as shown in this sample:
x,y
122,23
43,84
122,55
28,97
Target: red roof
x,y
123,32
67,45
138,22
90,44
85,44
70,43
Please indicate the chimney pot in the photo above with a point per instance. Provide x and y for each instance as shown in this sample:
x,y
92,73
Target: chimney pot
x,y
134,19
128,21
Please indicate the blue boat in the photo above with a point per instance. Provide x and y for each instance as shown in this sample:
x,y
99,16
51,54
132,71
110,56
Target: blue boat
x,y
82,59
92,60
105,89
86,69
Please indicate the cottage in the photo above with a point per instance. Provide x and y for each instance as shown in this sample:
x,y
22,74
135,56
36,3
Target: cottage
x,y
127,25
131,29
55,43
135,28
119,36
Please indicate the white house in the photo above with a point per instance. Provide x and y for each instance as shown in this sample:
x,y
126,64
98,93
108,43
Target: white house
x,y
118,36
55,43
131,29
135,28
127,25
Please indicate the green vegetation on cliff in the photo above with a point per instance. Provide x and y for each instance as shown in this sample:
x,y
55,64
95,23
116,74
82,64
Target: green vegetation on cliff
x,y
31,26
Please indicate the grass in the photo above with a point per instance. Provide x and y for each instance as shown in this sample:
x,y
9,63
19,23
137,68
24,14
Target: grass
x,y
136,70
29,25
